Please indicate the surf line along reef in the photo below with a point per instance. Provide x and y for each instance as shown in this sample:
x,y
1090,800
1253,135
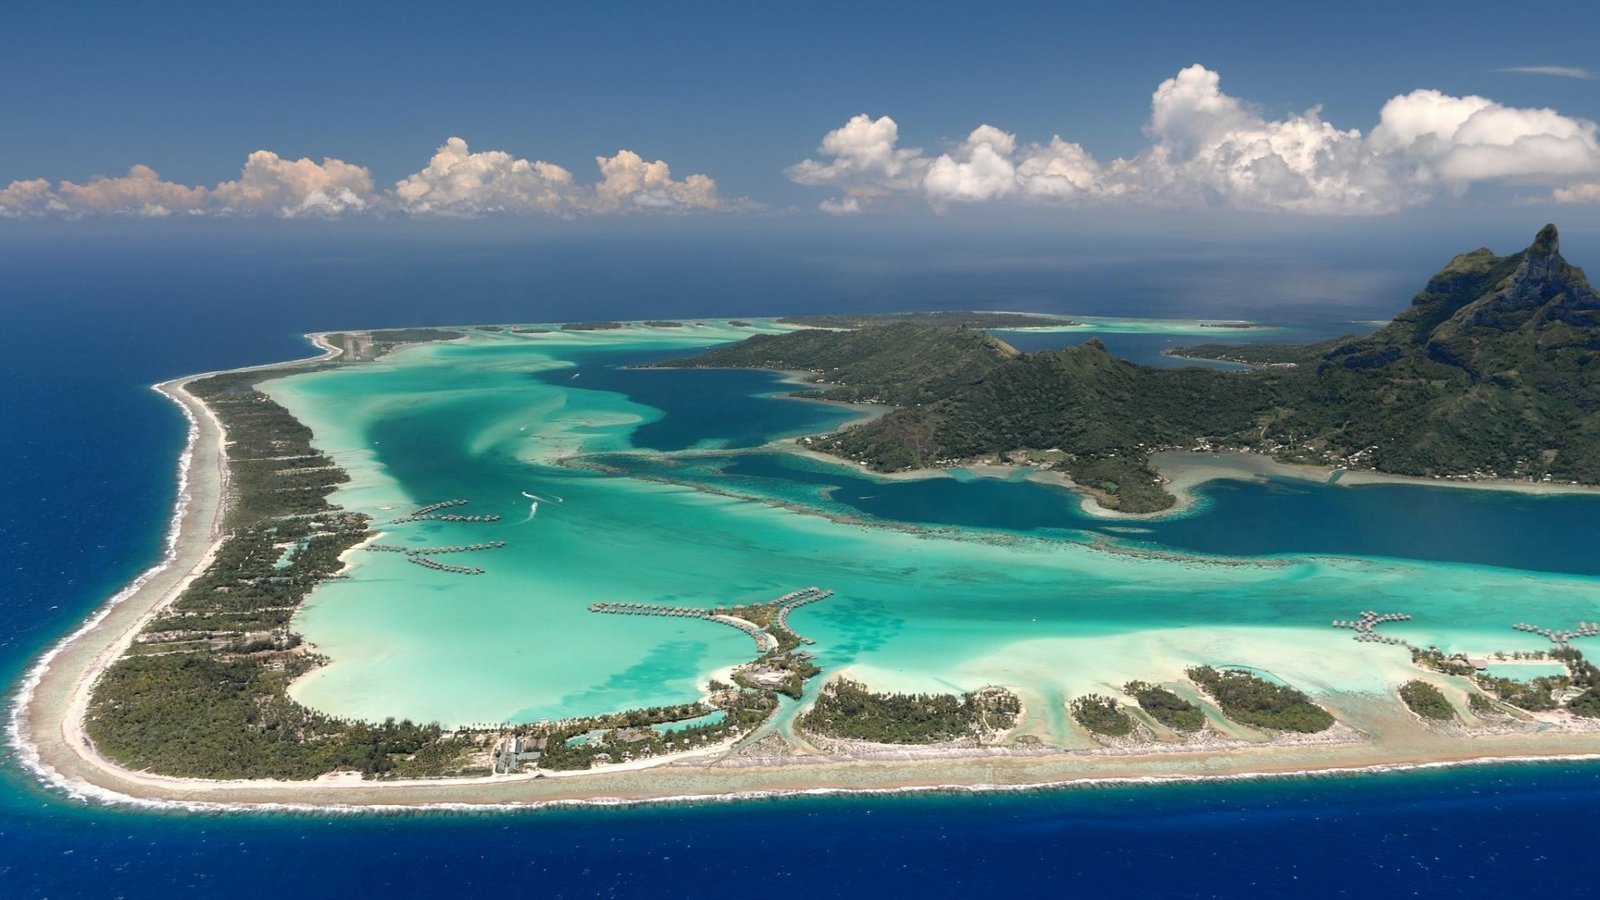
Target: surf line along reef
x,y
196,685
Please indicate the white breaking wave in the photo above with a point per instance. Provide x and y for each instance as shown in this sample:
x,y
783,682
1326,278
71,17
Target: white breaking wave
x,y
24,750
26,753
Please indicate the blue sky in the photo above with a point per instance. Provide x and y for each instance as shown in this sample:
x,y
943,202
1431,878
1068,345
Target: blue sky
x,y
741,92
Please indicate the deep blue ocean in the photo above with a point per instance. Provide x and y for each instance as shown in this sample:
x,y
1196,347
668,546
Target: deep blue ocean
x,y
87,457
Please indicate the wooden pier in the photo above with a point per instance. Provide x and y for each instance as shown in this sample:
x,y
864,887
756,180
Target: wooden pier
x,y
430,513
465,548
790,602
434,551
1366,628
427,511
419,555
765,641
1561,638
437,566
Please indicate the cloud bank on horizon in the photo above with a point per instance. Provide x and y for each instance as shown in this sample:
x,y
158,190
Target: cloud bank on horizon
x,y
456,182
1206,149
1210,149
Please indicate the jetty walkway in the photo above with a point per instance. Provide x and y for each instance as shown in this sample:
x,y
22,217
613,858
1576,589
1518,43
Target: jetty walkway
x,y
430,513
765,640
434,550
464,548
428,510
1558,637
437,566
790,602
420,555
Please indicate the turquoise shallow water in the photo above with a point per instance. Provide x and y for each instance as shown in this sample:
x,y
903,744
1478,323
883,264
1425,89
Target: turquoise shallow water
x,y
942,584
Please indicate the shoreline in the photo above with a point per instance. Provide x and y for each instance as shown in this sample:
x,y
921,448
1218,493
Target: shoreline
x,y
55,690
1186,470
46,722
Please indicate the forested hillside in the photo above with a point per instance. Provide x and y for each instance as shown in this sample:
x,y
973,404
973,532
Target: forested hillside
x,y
1493,371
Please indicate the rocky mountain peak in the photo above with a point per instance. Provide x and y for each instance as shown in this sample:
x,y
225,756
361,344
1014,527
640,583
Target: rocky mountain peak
x,y
1546,243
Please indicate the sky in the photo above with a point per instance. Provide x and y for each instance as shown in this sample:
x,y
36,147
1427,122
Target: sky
x,y
1250,117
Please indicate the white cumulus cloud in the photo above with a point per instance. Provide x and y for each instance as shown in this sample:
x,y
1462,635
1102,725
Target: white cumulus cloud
x,y
1208,148
980,169
25,198
1060,170
1578,193
1468,139
863,149
301,187
141,192
628,181
457,182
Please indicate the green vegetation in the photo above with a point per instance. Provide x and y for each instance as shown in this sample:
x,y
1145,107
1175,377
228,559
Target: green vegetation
x,y
1494,371
1540,694
220,715
1481,705
1256,354
1101,715
1427,701
1584,675
662,323
1124,483
1251,700
846,709
1537,695
414,335
591,326
365,346
386,341
202,693
580,743
783,671
951,319
905,364
1586,704
1433,658
1166,707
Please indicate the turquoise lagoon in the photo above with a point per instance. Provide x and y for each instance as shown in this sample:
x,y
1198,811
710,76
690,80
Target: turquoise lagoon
x,y
665,486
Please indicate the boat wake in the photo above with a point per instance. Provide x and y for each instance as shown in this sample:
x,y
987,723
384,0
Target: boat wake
x,y
534,509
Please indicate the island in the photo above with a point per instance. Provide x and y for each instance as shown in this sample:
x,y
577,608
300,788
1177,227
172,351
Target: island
x,y
1489,374
466,566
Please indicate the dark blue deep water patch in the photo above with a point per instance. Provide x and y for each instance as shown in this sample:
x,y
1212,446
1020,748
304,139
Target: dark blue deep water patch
x,y
969,503
1468,833
730,408
1553,533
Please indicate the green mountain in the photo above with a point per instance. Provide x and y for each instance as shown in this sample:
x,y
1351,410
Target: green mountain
x,y
1494,370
